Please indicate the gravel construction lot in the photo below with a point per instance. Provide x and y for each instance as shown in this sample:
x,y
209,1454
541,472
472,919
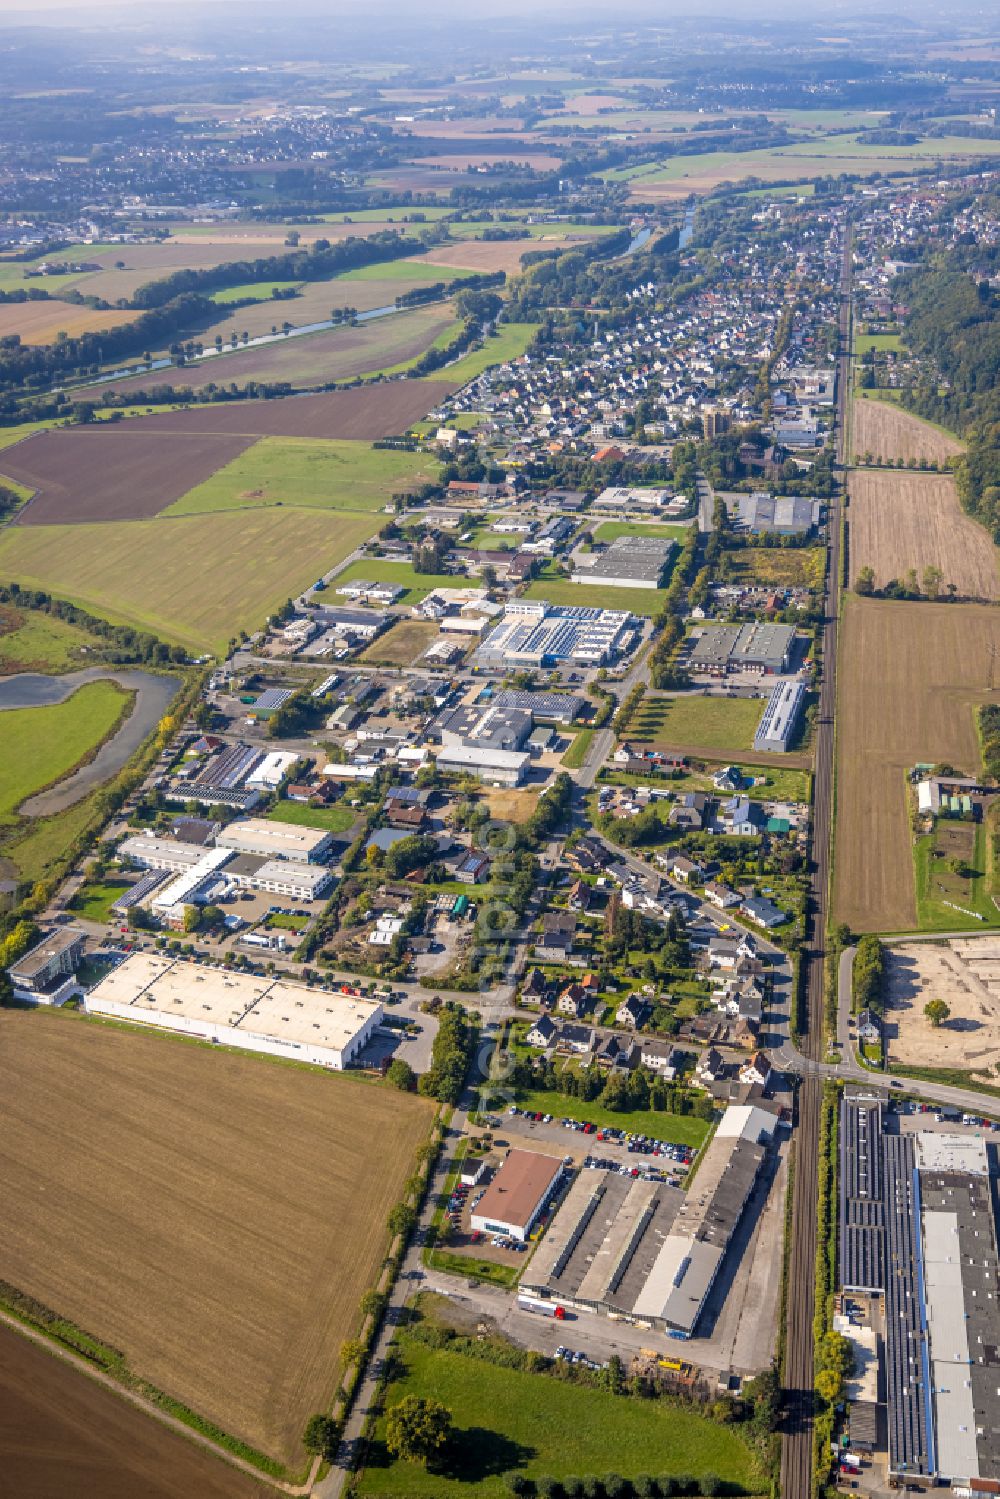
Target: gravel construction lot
x,y
884,430
63,1434
111,473
215,1216
965,973
899,521
366,413
910,678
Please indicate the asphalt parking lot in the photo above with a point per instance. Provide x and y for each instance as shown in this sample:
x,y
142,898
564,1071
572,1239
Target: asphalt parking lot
x,y
560,1139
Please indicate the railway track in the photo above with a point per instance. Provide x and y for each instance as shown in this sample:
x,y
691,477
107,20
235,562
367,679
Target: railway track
x,y
797,1441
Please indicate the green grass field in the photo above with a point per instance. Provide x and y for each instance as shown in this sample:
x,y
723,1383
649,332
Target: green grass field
x,y
329,475
42,643
95,899
577,752
417,585
196,579
779,785
646,601
610,530
402,644
938,884
509,342
878,341
506,1420
42,745
255,291
675,1129
406,272
779,567
334,819
727,723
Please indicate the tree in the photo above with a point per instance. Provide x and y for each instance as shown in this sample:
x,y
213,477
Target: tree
x,y
192,918
352,1351
937,1012
321,1436
417,1429
373,1303
864,583
828,1385
401,1219
401,1075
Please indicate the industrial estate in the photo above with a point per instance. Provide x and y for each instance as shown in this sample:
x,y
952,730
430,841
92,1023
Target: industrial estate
x,y
500,755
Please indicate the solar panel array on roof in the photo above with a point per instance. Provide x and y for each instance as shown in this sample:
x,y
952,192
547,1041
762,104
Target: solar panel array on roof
x,y
908,1379
862,1216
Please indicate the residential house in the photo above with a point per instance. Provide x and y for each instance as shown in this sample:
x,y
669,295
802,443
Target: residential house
x,y
535,986
746,1033
405,815
722,896
684,870
574,1000
578,1038
726,952
659,1056
690,811
543,1032
579,896
555,943
728,779
739,817
869,1028
632,1012
757,1070
711,1067
619,1052
763,912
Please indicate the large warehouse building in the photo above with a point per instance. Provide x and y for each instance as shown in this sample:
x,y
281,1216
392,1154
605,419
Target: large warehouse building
x,y
533,632
648,1251
276,840
763,649
781,718
277,1016
918,1231
629,562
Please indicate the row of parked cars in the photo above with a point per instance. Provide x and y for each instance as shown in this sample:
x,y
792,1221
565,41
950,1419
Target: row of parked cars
x,y
648,1173
577,1357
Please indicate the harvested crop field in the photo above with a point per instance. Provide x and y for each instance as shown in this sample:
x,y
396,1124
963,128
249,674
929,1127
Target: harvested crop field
x,y
314,358
366,413
898,520
884,430
105,473
489,255
910,677
39,322
212,1215
62,1433
314,302
965,973
192,579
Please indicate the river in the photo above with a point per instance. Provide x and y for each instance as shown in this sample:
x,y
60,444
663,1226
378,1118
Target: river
x,y
687,228
153,696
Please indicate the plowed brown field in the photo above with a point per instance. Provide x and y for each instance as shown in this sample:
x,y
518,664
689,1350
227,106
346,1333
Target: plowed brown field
x,y
111,473
214,1216
910,677
62,1434
898,520
884,430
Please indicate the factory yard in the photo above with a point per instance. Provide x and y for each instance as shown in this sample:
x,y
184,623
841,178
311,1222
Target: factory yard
x,y
215,1217
887,432
965,973
898,521
910,679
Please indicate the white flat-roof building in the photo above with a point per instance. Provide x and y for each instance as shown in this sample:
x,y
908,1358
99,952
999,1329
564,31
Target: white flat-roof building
x,y
781,717
46,974
498,767
277,1016
272,769
283,877
276,840
150,852
169,903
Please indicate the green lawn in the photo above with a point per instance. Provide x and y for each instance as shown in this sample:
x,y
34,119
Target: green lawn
x,y
610,530
676,1129
937,883
336,819
256,291
418,585
42,745
511,340
780,785
879,341
195,579
328,475
95,899
639,601
406,272
577,752
535,1424
40,642
727,723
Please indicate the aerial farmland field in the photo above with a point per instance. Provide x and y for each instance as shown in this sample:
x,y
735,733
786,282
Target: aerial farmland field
x,y
312,359
331,475
884,430
120,472
909,681
212,1215
39,322
899,520
363,413
191,579
62,1433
